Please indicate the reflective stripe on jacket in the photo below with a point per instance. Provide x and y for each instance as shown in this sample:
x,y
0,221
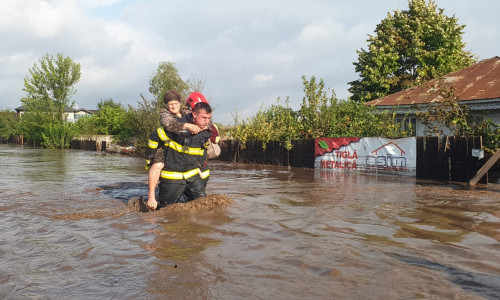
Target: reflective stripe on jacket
x,y
205,174
184,153
161,136
179,175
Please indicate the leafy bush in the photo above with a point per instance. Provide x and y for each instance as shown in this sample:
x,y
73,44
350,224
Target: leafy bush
x,y
321,115
47,130
9,124
141,122
57,135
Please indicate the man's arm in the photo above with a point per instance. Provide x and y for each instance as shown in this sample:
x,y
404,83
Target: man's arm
x,y
170,122
154,142
173,124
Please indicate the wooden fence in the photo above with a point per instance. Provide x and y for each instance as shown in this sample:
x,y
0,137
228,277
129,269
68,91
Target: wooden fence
x,y
448,158
85,142
91,142
91,145
438,158
274,153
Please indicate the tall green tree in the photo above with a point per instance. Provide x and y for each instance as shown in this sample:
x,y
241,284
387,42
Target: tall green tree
x,y
49,89
166,77
409,47
50,85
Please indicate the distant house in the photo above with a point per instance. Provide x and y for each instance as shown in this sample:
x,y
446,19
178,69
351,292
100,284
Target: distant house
x,y
477,86
72,114
82,112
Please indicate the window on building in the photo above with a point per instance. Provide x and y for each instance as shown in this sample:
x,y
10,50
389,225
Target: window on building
x,y
409,125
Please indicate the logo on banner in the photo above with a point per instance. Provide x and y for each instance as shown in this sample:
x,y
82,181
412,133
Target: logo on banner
x,y
365,154
388,161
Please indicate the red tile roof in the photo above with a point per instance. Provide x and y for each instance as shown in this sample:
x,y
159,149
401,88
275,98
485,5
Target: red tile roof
x,y
477,82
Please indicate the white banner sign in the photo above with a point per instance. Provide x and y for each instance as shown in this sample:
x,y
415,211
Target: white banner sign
x,y
367,154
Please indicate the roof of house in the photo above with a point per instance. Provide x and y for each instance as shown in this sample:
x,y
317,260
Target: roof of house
x,y
480,81
89,111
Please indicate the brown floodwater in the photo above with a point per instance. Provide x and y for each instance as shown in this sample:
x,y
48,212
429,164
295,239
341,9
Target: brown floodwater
x,y
73,227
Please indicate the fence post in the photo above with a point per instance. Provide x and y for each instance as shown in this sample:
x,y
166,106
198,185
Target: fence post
x,y
484,169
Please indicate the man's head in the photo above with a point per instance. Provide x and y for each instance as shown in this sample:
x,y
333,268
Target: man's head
x,y
172,99
202,112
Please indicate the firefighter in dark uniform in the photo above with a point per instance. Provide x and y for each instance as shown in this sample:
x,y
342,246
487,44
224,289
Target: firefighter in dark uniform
x,y
184,154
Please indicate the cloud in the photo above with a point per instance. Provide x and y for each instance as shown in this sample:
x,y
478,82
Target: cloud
x,y
260,78
39,19
249,53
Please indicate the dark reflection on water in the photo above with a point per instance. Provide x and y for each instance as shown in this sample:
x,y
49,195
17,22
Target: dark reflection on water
x,y
481,284
125,190
290,234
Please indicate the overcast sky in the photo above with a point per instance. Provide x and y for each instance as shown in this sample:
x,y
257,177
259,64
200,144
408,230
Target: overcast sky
x,y
248,52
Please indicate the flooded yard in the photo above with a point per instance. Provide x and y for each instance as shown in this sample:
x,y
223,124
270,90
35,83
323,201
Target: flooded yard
x,y
263,232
